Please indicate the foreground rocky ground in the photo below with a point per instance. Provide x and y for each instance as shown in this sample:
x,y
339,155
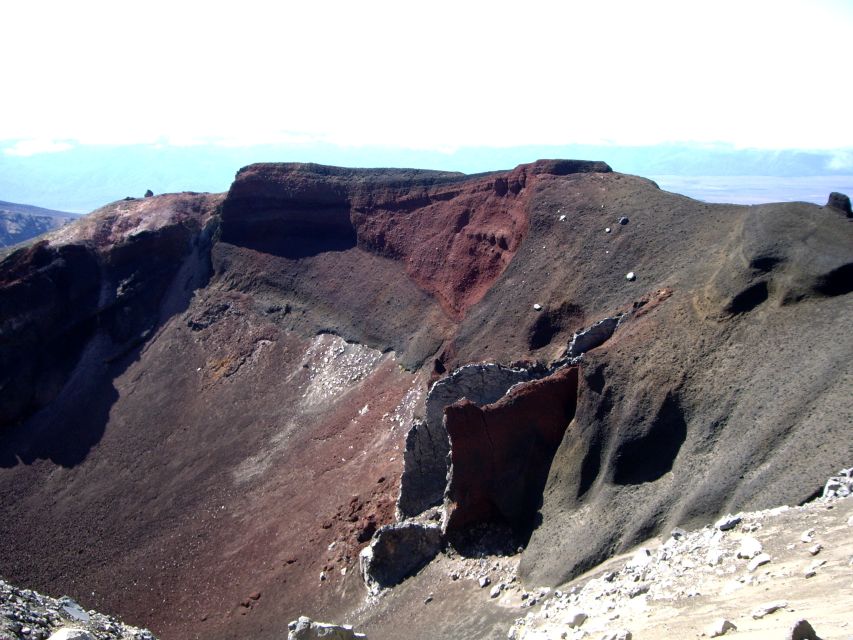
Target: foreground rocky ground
x,y
28,615
762,571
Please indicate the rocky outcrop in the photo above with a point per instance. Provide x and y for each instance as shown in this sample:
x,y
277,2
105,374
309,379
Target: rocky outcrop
x,y
839,486
841,202
56,295
25,613
594,336
396,552
501,453
306,629
427,445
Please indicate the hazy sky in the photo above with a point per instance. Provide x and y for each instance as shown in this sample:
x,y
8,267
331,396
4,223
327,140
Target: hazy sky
x,y
430,75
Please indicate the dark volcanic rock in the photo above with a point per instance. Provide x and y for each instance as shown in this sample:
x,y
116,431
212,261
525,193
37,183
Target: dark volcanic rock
x,y
397,552
453,234
55,297
49,299
501,453
841,202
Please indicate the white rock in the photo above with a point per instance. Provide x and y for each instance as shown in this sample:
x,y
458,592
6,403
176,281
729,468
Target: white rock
x,y
607,230
537,307
484,581
641,558
814,550
562,217
714,557
757,561
767,609
575,618
630,276
807,536
617,635
70,633
495,592
719,627
74,610
306,629
749,548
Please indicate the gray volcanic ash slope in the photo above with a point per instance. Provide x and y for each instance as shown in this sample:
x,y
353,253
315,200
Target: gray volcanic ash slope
x,y
207,401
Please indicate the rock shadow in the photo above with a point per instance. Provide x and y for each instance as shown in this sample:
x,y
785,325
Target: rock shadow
x,y
649,456
72,360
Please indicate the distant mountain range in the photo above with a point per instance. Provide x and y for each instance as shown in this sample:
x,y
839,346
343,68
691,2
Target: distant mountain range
x,y
21,222
84,178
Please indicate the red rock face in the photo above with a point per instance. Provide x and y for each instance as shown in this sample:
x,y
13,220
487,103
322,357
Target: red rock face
x,y
455,242
501,452
454,234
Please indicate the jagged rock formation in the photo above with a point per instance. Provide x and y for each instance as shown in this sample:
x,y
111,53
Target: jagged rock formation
x,y
219,389
107,281
24,613
594,336
427,445
21,222
501,453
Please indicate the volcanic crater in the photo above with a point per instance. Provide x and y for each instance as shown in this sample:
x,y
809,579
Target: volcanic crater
x,y
210,404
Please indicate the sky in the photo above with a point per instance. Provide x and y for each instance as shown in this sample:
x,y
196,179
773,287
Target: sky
x,y
435,76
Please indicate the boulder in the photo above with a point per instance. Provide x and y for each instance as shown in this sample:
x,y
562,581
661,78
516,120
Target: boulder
x,y
749,548
802,630
719,628
758,561
767,609
728,522
397,552
841,202
306,629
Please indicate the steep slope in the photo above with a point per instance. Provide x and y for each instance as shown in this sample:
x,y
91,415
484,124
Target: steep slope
x,y
21,222
206,400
